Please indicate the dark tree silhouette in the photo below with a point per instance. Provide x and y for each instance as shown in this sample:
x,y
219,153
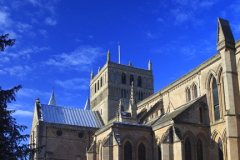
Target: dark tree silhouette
x,y
4,42
11,146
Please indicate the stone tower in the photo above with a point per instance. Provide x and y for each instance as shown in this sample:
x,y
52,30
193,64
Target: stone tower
x,y
113,82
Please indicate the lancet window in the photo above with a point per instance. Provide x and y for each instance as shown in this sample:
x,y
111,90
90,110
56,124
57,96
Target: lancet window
x,y
188,155
139,81
199,150
141,152
127,151
123,78
215,99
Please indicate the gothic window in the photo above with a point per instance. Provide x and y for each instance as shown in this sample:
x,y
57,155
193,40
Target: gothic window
x,y
123,78
98,85
159,152
195,91
220,149
127,151
95,88
201,114
141,152
131,79
188,149
199,150
215,100
101,82
139,81
188,94
122,108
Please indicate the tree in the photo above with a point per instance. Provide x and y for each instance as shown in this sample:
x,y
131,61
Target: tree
x,y
10,132
4,42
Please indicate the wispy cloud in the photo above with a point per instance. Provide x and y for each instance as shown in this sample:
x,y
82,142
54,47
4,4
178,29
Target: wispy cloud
x,y
81,59
27,92
23,113
18,71
50,21
76,84
23,27
43,32
150,35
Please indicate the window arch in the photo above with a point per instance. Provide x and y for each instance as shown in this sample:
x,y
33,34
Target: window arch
x,y
127,151
188,93
199,150
215,99
131,79
141,152
188,155
139,81
123,78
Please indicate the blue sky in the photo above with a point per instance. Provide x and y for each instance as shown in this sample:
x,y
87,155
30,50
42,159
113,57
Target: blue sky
x,y
59,42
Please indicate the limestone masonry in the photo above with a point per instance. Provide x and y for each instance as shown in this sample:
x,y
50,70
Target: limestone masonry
x,y
197,117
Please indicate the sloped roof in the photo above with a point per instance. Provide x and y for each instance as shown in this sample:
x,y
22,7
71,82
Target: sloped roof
x,y
176,112
71,116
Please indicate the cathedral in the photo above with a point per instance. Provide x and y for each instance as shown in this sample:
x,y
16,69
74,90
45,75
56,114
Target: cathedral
x,y
196,117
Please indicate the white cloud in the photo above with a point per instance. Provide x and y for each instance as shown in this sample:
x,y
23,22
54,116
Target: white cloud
x,y
23,27
77,83
23,113
43,32
26,92
18,71
80,59
50,21
150,35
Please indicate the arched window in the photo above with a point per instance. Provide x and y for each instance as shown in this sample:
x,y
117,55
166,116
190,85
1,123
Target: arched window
x,y
188,155
123,78
188,94
141,152
195,91
215,99
201,114
199,150
95,88
101,82
127,151
131,79
220,149
159,152
139,81
98,85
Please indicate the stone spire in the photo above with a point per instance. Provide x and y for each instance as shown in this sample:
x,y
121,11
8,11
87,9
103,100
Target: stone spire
x,y
133,104
149,65
52,100
87,105
224,37
130,63
108,56
92,75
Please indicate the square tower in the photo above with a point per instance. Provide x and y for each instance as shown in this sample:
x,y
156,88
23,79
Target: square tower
x,y
113,82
